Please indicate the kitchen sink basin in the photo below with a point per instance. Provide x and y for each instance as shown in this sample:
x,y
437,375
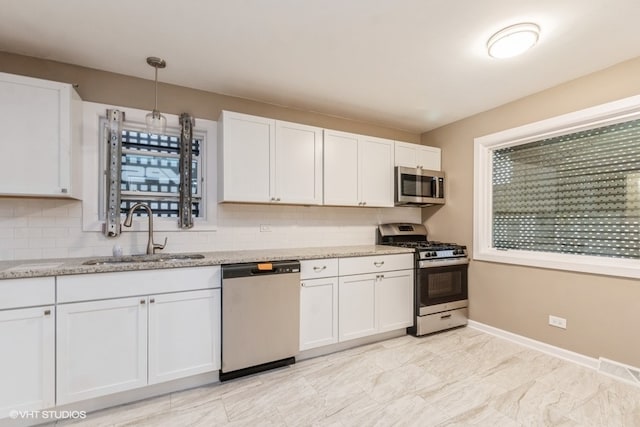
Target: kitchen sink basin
x,y
132,259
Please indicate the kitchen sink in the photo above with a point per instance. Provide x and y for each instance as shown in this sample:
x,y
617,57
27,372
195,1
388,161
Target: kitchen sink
x,y
132,259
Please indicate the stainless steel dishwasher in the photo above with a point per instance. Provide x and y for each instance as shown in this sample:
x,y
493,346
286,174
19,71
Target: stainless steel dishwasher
x,y
260,316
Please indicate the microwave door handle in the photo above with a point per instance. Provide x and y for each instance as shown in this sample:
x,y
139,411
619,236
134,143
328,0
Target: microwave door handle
x,y
435,190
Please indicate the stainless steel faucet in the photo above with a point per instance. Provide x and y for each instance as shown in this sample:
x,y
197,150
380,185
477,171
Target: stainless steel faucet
x,y
151,246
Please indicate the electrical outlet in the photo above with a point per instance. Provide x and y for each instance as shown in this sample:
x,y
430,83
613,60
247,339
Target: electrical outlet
x,y
265,228
558,322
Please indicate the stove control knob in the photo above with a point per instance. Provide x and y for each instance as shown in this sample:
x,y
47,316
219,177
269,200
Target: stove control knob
x,y
433,254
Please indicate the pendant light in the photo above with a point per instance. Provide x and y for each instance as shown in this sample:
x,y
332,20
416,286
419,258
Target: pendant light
x,y
156,122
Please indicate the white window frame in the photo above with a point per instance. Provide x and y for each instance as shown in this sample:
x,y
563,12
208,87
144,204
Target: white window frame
x,y
610,113
92,187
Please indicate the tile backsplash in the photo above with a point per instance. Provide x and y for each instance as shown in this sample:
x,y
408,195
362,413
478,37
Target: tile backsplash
x,y
52,228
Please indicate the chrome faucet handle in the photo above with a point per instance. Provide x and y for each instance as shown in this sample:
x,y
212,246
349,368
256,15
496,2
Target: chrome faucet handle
x,y
159,246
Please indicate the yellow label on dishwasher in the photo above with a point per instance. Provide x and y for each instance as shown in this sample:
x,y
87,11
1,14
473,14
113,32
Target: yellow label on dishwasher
x,y
265,266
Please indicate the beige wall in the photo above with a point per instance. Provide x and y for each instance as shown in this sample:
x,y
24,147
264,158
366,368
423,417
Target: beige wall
x,y
602,312
117,89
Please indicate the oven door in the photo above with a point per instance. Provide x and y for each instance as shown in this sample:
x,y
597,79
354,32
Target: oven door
x,y
441,285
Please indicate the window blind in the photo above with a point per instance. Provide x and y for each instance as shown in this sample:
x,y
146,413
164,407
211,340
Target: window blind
x,y
577,193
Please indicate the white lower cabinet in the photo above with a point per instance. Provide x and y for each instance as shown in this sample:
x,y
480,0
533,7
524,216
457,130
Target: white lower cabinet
x,y
27,344
184,336
102,348
357,306
109,346
361,296
380,299
318,312
394,300
115,334
27,368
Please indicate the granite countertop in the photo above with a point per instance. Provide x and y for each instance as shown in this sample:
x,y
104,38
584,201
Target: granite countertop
x,y
65,266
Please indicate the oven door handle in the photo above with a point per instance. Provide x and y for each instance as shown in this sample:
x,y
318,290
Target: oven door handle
x,y
443,262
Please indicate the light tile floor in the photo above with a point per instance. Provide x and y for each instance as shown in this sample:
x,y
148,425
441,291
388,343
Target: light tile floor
x,y
462,377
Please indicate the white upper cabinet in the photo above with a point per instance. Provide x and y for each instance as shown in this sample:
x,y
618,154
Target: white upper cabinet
x,y
268,161
417,156
358,170
298,164
245,144
41,124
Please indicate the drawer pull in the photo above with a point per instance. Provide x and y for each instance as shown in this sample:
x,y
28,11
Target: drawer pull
x,y
303,285
316,268
47,312
378,263
142,301
152,300
445,316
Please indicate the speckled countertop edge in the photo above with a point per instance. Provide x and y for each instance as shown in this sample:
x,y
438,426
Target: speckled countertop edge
x,y
66,266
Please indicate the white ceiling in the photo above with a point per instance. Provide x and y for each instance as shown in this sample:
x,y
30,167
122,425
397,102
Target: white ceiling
x,y
407,64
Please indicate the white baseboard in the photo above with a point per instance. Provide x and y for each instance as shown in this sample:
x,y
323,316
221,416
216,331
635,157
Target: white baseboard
x,y
549,349
611,368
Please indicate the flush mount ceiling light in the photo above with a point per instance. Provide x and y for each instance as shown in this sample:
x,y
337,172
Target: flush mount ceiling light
x,y
513,40
156,122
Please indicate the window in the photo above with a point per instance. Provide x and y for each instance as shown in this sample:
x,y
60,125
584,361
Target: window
x,y
149,169
150,173
563,193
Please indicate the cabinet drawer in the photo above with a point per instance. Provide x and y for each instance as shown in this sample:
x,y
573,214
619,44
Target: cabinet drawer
x,y
87,287
318,268
375,263
16,293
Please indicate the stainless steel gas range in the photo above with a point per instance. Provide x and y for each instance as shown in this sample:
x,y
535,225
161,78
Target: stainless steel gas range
x,y
441,289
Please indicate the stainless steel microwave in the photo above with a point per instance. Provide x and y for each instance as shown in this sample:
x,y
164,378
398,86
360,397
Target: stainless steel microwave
x,y
418,187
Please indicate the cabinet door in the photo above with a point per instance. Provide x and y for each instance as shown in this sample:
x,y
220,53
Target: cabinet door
x,y
27,359
101,348
340,168
246,146
406,155
394,298
318,312
298,164
37,127
376,171
184,334
357,307
429,158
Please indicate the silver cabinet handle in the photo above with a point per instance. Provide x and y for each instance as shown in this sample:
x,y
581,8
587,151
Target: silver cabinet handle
x,y
316,268
378,263
303,285
278,199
